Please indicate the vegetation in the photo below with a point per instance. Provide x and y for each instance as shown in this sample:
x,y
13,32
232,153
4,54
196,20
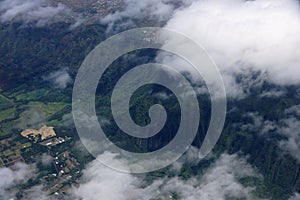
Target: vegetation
x,y
5,103
7,114
31,53
32,96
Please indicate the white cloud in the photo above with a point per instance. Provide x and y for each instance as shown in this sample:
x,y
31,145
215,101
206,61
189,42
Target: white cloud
x,y
256,124
21,173
156,10
79,20
293,110
38,193
34,120
101,182
244,37
219,182
291,130
296,196
60,78
39,12
288,127
46,159
273,93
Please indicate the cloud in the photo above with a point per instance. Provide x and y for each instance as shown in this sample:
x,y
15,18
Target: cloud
x,y
156,10
60,78
294,110
290,130
79,20
38,193
20,173
256,124
246,37
219,182
273,93
101,182
38,12
67,120
46,159
296,196
288,127
32,119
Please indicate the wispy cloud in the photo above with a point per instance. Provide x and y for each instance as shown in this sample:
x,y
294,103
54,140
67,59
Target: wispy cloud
x,y
60,79
296,196
294,110
38,193
287,127
37,12
9,178
155,10
220,181
273,93
290,129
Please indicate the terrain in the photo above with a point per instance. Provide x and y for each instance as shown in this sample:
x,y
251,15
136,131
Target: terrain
x,y
38,67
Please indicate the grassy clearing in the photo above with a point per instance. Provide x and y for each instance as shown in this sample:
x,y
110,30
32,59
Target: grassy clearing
x,y
34,115
32,96
53,123
44,109
5,103
5,128
38,113
25,145
7,114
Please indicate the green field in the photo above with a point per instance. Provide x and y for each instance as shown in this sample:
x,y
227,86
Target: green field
x,y
37,113
45,109
7,114
5,128
32,96
5,103
32,114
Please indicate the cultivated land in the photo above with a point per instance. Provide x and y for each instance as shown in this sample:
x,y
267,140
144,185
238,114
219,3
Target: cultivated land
x,y
20,109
